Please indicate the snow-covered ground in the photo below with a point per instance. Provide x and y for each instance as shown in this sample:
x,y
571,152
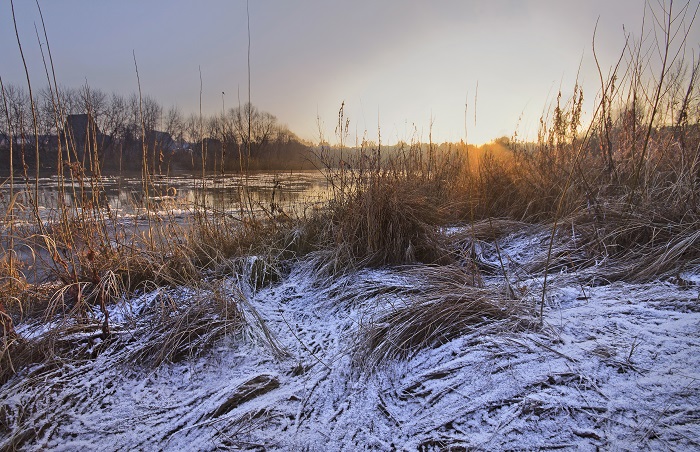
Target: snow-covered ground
x,y
616,366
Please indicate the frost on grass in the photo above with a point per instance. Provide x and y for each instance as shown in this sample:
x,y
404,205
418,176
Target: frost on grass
x,y
343,364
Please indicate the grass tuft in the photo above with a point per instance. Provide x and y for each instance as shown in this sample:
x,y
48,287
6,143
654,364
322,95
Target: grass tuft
x,y
435,318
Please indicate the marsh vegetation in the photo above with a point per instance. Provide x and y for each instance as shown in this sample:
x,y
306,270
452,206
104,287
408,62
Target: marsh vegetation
x,y
421,260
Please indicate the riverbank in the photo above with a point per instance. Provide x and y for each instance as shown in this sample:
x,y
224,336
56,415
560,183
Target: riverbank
x,y
349,362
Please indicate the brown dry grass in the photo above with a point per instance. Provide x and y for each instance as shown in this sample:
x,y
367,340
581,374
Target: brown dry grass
x,y
446,307
640,244
388,223
387,206
85,275
183,331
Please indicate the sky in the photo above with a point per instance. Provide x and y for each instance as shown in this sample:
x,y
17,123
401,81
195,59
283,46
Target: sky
x,y
406,68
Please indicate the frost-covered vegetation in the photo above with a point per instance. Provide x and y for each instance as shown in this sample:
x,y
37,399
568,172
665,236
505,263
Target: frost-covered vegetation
x,y
520,295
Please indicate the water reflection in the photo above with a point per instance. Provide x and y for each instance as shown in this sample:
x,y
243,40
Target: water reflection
x,y
128,196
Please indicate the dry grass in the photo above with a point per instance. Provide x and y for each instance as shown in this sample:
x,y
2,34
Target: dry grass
x,y
447,307
389,223
61,343
639,245
441,303
387,206
490,229
87,274
184,330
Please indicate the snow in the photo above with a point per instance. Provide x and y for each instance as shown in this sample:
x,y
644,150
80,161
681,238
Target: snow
x,y
614,367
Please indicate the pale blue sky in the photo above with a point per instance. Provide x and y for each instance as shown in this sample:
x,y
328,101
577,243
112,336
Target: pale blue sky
x,y
396,63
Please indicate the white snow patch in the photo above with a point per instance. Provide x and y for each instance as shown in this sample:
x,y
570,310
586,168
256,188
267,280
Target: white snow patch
x,y
614,367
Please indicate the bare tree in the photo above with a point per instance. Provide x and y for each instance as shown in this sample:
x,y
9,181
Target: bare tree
x,y
72,101
262,128
174,124
116,117
19,112
94,102
192,128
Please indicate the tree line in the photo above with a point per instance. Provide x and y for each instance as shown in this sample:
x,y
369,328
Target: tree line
x,y
110,131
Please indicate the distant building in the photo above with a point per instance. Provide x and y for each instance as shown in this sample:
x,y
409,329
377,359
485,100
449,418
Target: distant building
x,y
161,141
82,135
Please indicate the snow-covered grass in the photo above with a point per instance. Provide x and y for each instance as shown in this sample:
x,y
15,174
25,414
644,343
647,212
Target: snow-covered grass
x,y
614,365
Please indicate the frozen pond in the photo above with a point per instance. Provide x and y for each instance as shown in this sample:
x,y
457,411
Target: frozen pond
x,y
127,204
129,196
